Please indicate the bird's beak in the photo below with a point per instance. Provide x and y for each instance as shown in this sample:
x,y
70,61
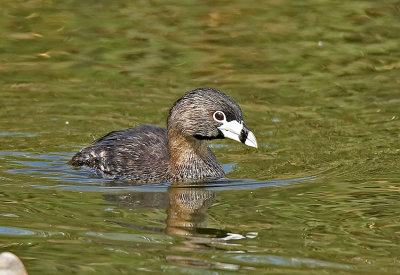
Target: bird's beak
x,y
238,131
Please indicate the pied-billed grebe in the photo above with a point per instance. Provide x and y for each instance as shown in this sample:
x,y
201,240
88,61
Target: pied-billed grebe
x,y
178,153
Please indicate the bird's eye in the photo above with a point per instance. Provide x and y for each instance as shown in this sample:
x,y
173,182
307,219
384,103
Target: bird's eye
x,y
219,116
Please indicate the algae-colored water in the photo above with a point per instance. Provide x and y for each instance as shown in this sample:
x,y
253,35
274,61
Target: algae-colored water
x,y
319,85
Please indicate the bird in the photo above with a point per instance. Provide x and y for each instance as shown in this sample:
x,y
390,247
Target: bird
x,y
177,153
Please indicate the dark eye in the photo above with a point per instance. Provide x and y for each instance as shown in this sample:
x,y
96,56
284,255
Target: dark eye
x,y
219,116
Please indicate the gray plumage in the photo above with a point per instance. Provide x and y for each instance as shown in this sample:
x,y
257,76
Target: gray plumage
x,y
178,153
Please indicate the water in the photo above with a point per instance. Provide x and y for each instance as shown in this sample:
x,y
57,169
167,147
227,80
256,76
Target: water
x,y
318,82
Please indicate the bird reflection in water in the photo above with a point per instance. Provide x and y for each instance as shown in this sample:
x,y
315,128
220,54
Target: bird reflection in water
x,y
186,213
186,216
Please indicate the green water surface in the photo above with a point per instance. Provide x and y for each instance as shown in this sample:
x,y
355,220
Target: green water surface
x,y
319,85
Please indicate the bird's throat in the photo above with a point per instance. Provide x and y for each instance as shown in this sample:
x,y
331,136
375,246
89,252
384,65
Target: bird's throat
x,y
191,158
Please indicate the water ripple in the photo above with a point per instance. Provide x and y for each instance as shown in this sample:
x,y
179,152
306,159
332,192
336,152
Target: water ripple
x,y
13,231
55,167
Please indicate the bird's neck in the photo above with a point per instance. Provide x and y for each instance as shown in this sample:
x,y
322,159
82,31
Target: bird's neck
x,y
191,158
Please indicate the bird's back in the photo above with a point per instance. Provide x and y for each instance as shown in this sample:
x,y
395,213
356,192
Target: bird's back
x,y
138,154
